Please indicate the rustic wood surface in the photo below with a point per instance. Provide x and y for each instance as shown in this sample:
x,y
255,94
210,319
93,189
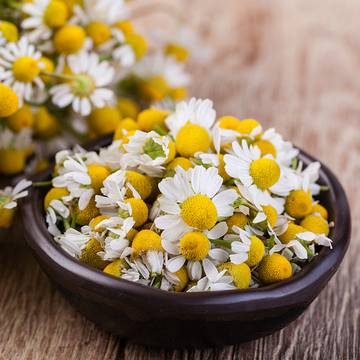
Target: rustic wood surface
x,y
292,64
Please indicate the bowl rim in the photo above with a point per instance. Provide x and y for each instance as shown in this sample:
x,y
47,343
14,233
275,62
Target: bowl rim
x,y
285,293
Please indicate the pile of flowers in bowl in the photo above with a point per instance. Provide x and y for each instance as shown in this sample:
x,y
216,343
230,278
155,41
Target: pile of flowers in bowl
x,y
184,201
72,70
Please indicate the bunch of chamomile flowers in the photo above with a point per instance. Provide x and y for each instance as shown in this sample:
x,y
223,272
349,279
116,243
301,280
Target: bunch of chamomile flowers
x,y
73,70
184,201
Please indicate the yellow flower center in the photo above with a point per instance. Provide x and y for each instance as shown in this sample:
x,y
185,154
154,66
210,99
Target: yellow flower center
x,y
245,127
56,14
90,255
128,108
257,251
183,277
54,194
9,31
180,161
152,119
274,268
138,44
317,208
191,139
180,53
316,224
140,211
69,39
99,32
229,122
25,69
9,102
142,183
46,65
199,212
238,219
98,174
291,232
265,173
125,26
266,147
104,120
45,124
83,217
12,161
221,168
114,268
271,214
6,217
97,220
298,204
194,246
240,273
146,240
22,119
154,88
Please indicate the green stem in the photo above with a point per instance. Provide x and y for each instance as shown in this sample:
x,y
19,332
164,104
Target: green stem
x,y
42,183
58,76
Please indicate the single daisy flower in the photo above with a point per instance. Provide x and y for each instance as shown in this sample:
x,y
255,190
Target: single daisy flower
x,y
86,89
191,125
148,152
20,69
8,201
42,17
193,201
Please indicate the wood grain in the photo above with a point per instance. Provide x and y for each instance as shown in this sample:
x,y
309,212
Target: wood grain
x,y
295,66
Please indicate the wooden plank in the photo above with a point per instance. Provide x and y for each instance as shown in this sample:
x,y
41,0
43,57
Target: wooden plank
x,y
292,64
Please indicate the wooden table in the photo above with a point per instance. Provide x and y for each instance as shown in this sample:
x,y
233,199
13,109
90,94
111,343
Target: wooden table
x,y
294,65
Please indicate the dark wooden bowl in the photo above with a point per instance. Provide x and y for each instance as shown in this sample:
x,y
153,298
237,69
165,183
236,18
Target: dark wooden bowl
x,y
154,317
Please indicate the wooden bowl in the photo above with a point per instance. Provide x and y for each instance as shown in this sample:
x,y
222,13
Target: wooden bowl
x,y
154,317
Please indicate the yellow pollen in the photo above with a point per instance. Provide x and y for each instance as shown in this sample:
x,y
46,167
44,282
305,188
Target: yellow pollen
x,y
266,147
154,88
54,194
22,119
25,69
183,277
271,214
128,108
146,240
316,224
274,268
178,93
198,211
90,257
104,120
125,26
152,119
291,232
194,246
298,204
9,31
12,161
179,161
180,53
99,32
98,174
141,183
140,211
45,124
319,209
97,220
69,39
191,139
124,126
56,14
9,101
221,168
48,66
238,219
172,152
240,273
114,268
83,217
229,122
265,173
257,251
246,126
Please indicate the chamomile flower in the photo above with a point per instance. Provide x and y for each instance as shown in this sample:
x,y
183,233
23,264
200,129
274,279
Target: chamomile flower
x,y
82,177
191,124
73,241
9,195
20,68
148,152
87,88
43,16
193,201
